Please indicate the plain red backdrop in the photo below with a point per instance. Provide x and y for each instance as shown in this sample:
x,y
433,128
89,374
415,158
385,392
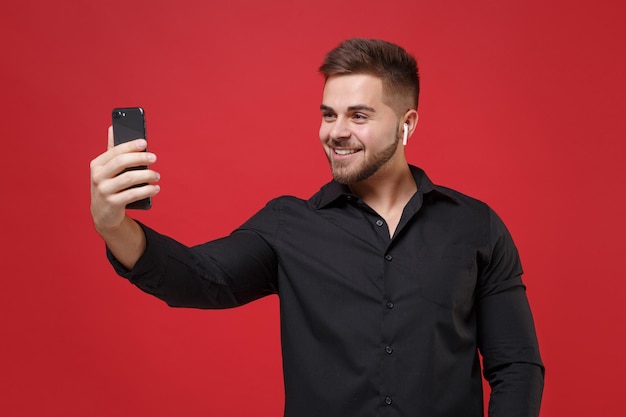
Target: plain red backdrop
x,y
522,106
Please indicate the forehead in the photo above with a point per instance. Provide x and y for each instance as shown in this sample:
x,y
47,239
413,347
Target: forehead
x,y
343,91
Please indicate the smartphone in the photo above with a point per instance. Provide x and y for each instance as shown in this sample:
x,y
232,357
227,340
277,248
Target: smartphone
x,y
129,124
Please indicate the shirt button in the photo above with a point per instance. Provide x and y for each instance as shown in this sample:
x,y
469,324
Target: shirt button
x,y
388,400
379,223
389,350
389,305
388,257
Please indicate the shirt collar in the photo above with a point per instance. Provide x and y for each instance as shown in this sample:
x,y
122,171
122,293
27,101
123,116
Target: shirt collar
x,y
334,190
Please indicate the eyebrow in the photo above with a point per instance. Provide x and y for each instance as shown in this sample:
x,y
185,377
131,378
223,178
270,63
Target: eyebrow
x,y
358,107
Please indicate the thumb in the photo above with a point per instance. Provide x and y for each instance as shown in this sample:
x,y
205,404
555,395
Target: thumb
x,y
110,143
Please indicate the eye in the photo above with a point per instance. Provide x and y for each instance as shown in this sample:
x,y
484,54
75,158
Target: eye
x,y
328,116
359,117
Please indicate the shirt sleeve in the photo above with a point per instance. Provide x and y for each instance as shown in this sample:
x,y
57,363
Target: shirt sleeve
x,y
224,273
506,331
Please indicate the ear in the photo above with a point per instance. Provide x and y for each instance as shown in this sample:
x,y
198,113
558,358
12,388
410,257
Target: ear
x,y
410,118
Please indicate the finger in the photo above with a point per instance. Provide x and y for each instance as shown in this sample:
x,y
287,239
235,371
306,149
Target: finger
x,y
137,145
110,143
130,160
140,143
139,193
130,195
128,179
135,162
106,156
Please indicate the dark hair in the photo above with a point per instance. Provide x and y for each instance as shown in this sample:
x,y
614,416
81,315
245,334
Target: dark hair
x,y
393,65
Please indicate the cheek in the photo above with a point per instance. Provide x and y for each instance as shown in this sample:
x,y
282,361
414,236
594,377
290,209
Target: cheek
x,y
323,132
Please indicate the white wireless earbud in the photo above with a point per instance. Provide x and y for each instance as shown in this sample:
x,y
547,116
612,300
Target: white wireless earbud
x,y
406,134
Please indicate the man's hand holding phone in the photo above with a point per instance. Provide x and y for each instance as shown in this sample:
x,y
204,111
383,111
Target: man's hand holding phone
x,y
113,187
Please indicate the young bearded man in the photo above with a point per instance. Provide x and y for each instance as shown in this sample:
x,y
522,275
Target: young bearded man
x,y
389,285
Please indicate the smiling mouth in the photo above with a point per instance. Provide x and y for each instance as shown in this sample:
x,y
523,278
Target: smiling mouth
x,y
345,151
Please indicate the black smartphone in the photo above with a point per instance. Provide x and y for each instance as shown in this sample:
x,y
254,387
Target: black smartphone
x,y
129,124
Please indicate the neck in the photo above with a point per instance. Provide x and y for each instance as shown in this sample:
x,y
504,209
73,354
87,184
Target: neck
x,y
387,191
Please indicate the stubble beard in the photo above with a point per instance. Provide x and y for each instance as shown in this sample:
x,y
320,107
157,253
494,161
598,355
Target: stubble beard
x,y
345,174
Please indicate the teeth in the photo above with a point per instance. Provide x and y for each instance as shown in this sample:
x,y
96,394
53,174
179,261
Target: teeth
x,y
344,151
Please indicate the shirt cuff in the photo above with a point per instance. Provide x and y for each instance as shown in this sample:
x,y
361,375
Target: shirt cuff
x,y
150,266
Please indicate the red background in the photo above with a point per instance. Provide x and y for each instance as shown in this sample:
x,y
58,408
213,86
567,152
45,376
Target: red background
x,y
522,106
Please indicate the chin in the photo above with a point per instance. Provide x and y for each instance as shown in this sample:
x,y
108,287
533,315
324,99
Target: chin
x,y
347,177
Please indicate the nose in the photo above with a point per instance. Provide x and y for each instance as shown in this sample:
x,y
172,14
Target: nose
x,y
339,129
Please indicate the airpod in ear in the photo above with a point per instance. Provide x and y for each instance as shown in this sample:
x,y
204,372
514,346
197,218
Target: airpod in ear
x,y
406,134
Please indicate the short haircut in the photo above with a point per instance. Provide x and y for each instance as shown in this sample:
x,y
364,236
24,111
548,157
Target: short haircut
x,y
392,64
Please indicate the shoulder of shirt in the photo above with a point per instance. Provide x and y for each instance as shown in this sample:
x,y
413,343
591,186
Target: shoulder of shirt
x,y
458,196
439,192
285,201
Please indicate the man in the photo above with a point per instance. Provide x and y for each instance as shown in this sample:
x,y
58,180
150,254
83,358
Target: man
x,y
389,286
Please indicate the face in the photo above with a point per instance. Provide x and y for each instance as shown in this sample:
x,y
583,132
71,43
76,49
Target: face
x,y
359,132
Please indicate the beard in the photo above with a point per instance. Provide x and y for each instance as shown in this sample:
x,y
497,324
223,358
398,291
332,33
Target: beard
x,y
346,173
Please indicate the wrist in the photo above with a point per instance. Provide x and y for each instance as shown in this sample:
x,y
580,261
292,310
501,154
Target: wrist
x,y
126,241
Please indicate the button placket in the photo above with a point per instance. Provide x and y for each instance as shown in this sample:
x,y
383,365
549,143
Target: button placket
x,y
388,353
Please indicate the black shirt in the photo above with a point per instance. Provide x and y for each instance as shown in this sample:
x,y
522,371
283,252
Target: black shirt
x,y
372,325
